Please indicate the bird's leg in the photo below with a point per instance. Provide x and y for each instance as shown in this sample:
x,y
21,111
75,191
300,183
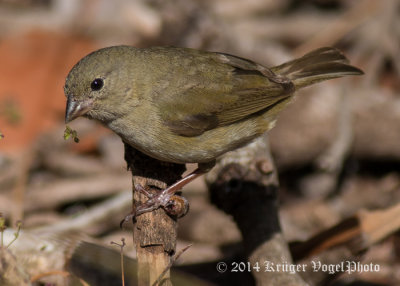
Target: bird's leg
x,y
165,198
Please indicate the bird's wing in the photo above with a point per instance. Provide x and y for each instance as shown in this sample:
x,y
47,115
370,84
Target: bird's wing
x,y
226,90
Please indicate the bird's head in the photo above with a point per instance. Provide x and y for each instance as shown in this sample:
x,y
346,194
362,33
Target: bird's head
x,y
95,86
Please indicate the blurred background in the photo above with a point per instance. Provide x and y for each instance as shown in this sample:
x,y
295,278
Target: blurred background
x,y
336,147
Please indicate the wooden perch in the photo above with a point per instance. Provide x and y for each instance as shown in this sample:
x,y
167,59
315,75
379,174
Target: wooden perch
x,y
154,233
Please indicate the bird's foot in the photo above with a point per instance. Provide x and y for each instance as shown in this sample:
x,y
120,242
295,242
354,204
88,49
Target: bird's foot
x,y
173,204
167,199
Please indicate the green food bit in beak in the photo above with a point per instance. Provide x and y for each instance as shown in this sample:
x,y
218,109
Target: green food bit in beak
x,y
70,133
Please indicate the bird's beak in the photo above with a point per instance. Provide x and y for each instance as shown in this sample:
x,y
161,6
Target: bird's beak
x,y
76,108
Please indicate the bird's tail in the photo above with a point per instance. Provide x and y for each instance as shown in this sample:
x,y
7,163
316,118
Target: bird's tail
x,y
318,65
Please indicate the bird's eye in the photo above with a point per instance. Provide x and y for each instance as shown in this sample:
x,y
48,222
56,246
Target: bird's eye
x,y
97,84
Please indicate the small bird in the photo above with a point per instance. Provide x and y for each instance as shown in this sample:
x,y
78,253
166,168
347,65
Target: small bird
x,y
184,105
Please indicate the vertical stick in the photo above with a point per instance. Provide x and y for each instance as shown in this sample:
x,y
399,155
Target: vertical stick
x,y
154,233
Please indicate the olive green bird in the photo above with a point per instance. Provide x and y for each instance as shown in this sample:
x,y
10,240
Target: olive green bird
x,y
183,105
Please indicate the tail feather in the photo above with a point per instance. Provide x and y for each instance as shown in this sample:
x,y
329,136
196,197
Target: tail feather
x,y
318,65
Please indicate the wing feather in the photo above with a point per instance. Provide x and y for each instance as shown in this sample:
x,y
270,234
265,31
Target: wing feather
x,y
228,89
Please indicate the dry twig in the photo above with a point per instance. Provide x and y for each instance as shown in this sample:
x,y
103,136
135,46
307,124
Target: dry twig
x,y
155,233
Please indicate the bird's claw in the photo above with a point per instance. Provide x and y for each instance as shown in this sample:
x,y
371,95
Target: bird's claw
x,y
173,204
